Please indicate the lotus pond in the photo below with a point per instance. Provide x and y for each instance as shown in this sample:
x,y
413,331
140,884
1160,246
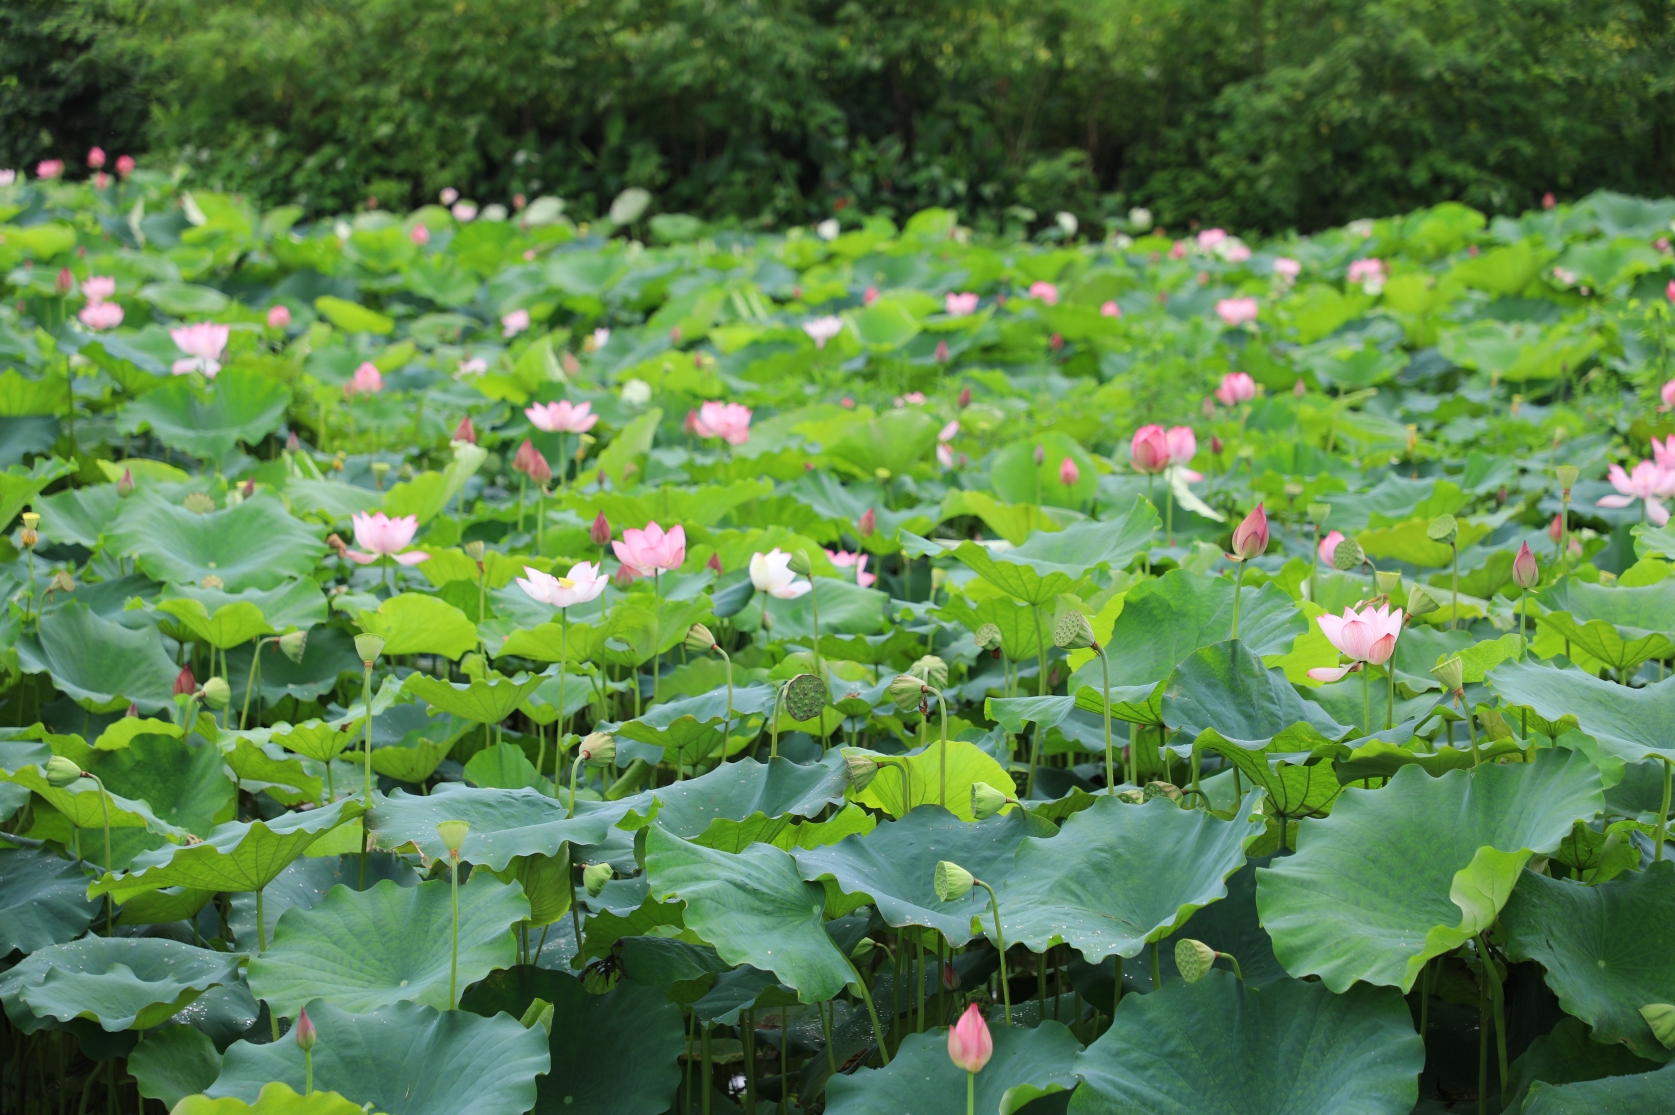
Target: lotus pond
x,y
467,663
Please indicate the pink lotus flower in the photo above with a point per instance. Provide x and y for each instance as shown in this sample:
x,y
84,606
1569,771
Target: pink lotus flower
x,y
649,551
125,165
944,454
1669,291
97,288
583,583
869,296
969,1043
1046,292
846,560
1250,537
1368,636
1149,449
1110,309
1236,387
1663,452
203,344
952,430
96,157
1177,250
1287,268
1369,273
1647,482
1328,547
1235,252
464,212
771,573
912,398
449,195
823,329
728,421
101,315
8,177
475,366
959,305
1069,474
1183,445
420,235
48,169
1210,237
562,417
367,380
279,316
1235,312
1667,392
385,537
514,323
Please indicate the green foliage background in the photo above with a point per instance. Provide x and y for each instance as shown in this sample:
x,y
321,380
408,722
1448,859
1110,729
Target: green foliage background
x,y
1255,114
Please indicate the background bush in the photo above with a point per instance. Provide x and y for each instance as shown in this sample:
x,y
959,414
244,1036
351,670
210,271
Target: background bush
x,y
1255,114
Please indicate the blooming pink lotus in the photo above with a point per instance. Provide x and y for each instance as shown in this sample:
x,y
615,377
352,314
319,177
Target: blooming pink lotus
x,y
562,417
464,212
1046,292
97,288
1210,237
1183,447
651,550
771,573
101,315
944,454
475,366
1647,482
514,323
583,583
823,329
279,316
1235,252
385,537
8,177
1663,452
843,559
203,344
728,421
912,398
1367,636
367,380
96,157
1287,268
1368,273
1235,312
1236,388
1328,547
1069,474
125,165
48,169
1110,309
969,1043
959,305
1149,450
449,195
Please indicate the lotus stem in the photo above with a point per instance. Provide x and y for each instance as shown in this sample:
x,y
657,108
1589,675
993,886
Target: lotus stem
x,y
1498,994
657,587
1366,700
1000,935
872,1012
1663,812
366,700
575,768
826,1028
1040,691
814,608
1157,967
942,703
727,724
773,748
453,964
307,1071
523,485
1523,621
1390,697
250,682
1454,611
1238,583
970,1092
105,808
1105,707
563,675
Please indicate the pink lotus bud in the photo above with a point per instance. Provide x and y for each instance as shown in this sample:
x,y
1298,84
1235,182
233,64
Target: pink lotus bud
x,y
125,165
969,1043
1669,291
133,710
305,1032
624,576
1299,389
125,486
1555,530
530,462
100,181
941,352
519,201
96,157
714,564
279,317
1149,450
950,977
1056,342
292,442
965,396
65,281
1250,537
869,296
690,426
420,235
184,682
674,335
1525,572
1040,455
868,524
1110,309
465,431
1069,474
1215,445
1548,200
600,531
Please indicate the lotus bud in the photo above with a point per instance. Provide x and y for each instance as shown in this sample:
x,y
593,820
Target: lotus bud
x,y
969,1044
453,836
801,564
293,644
951,881
531,463
305,1032
184,683
1073,632
1069,474
1526,574
932,670
595,876
1250,537
1420,602
600,532
1388,582
598,748
1348,555
1451,672
475,550
868,523
986,801
465,432
125,486
862,768
907,691
950,976
65,281
989,637
1318,513
1193,959
699,640
380,470
965,397
216,693
60,772
369,647
1443,528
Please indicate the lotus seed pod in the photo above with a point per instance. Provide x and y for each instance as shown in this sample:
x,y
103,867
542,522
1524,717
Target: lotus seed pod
x,y
475,550
699,639
1318,513
199,503
862,768
1193,959
1348,555
293,644
369,647
907,691
211,581
930,669
1661,1018
951,881
1451,672
805,697
60,772
1388,582
1073,632
986,801
863,949
31,520
598,748
1131,796
1568,475
1420,602
988,637
305,1032
380,470
1442,529
595,876
216,693
1162,790
800,563
453,835
63,581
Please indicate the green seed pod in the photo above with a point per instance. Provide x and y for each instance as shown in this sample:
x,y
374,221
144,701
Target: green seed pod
x,y
598,748
293,644
595,876
1568,475
1193,959
863,949
805,697
1451,672
216,693
1443,528
699,640
952,882
800,563
1162,790
1420,602
907,691
60,772
601,977
1073,632
1318,513
988,637
930,669
862,768
1132,797
453,835
986,801
1388,582
369,647
1348,555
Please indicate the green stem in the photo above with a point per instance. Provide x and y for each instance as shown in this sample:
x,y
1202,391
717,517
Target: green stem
x,y
773,748
366,700
453,965
1234,960
1366,700
1471,726
970,1093
814,607
1390,698
575,769
1157,967
1238,583
1105,706
727,725
656,680
707,1077
105,808
872,1012
1663,812
942,704
250,683
563,676
308,1072
826,1028
261,923
1454,613
1000,936
523,483
1040,691
1498,994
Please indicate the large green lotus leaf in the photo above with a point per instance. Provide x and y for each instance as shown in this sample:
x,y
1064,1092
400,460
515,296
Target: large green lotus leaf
x,y
501,766
1050,563
1225,689
1567,1055
1631,724
226,619
268,768
1293,790
404,1059
967,765
1234,927
184,299
184,783
1219,1046
173,1062
312,739
1398,875
894,866
1601,641
684,723
1621,627
894,441
1639,1094
482,701
922,1080
1118,875
237,856
612,1054
1608,950
1018,477
274,1099
504,823
80,515
786,832
305,883
736,790
331,500
122,983
241,405
327,656
413,623
43,900
367,949
754,908
254,544
20,486
84,807
845,609
1019,638
97,661
352,317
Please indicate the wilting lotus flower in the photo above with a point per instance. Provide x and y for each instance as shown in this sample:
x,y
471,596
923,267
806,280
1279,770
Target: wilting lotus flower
x,y
1368,636
1149,450
101,315
1647,482
1046,292
97,288
514,323
48,169
959,305
1235,312
1069,474
1329,546
771,573
823,329
203,344
1110,309
96,157
125,165
368,380
1236,387
1250,537
385,537
562,417
1287,268
583,583
651,550
279,317
728,421
845,560
969,1043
